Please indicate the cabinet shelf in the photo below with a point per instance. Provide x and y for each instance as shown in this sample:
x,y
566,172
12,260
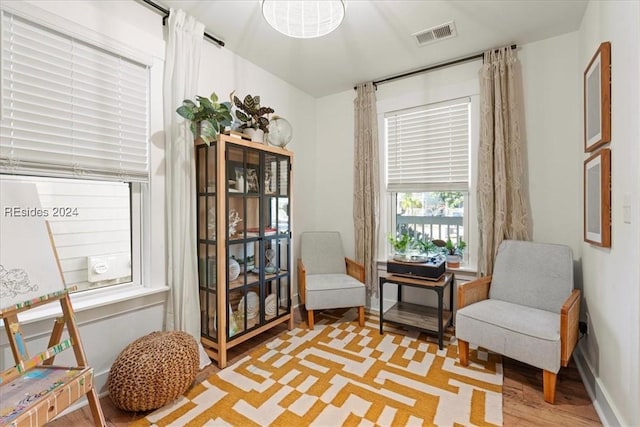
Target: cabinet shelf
x,y
224,168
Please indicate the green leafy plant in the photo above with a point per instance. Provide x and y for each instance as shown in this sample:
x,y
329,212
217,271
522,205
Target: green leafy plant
x,y
426,246
401,243
213,116
450,248
250,113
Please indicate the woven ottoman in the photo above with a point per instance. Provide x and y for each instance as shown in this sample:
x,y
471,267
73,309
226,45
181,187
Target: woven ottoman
x,y
153,370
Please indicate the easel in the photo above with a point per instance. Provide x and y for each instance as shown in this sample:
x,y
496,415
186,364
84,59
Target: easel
x,y
34,391
50,389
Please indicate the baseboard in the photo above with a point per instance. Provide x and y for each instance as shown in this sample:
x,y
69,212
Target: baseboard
x,y
599,397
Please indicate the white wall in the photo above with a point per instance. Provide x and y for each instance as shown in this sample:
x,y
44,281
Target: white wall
x,y
553,128
610,353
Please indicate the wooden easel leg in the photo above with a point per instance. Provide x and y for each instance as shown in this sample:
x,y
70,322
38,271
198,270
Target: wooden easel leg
x,y
56,336
96,409
16,338
74,334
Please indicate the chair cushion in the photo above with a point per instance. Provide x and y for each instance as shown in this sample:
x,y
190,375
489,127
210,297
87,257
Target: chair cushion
x,y
322,252
538,275
523,333
333,291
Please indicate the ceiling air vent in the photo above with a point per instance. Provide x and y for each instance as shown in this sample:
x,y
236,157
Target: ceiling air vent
x,y
434,34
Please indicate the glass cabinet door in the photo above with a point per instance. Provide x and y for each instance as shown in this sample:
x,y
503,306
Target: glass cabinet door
x,y
277,252
244,239
206,179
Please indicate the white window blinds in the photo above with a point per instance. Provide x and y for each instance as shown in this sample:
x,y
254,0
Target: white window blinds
x,y
70,109
428,147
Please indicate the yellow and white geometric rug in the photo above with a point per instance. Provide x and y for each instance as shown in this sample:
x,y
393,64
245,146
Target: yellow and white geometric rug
x,y
342,375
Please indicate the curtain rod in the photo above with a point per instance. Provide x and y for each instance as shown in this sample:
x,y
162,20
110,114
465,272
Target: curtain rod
x,y
432,67
166,15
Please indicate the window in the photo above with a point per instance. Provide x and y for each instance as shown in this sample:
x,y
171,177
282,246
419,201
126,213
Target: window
x,y
428,158
74,123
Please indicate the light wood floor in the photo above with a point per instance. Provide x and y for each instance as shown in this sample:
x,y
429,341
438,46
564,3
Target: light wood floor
x,y
523,403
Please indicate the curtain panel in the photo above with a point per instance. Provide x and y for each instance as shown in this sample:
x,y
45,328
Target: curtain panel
x,y
182,63
502,210
366,188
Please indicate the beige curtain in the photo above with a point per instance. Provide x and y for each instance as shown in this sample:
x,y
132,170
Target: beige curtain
x,y
502,211
366,182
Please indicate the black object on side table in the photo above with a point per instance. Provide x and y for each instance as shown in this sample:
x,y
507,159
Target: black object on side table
x,y
424,318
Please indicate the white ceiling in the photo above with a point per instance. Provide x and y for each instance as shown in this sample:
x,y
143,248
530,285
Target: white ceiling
x,y
375,40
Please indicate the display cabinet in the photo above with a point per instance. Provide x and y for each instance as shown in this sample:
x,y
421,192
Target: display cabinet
x,y
244,241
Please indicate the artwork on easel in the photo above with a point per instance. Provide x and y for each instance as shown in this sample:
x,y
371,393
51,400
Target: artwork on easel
x,y
28,265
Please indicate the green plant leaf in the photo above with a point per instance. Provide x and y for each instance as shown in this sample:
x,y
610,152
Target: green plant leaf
x,y
249,103
205,103
185,112
238,103
214,97
256,101
263,122
242,116
207,139
189,103
264,110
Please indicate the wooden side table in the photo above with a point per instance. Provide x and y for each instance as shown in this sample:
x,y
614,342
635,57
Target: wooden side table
x,y
424,318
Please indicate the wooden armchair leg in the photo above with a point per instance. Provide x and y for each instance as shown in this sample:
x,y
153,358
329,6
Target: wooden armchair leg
x,y
361,316
463,352
310,318
549,386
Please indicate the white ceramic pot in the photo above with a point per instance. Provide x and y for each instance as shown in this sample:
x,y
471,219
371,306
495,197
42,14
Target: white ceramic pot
x,y
257,135
453,261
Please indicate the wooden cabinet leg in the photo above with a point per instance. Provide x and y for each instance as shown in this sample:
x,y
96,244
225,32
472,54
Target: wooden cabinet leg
x,y
361,316
549,386
463,352
310,318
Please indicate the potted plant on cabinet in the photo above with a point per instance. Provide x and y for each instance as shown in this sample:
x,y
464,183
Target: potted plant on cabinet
x,y
212,116
252,116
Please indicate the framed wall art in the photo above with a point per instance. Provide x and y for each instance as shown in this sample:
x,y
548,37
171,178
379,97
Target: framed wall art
x,y
597,198
597,99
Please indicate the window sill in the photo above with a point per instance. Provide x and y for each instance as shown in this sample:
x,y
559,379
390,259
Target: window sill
x,y
89,300
468,269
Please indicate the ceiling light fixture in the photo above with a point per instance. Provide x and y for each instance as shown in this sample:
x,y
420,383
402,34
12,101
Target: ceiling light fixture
x,y
304,19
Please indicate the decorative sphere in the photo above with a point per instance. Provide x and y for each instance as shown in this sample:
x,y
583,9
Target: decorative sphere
x,y
280,132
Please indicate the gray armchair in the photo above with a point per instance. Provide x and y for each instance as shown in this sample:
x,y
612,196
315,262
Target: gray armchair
x,y
326,278
527,310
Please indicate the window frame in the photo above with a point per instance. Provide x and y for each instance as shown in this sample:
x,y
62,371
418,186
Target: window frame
x,y
388,198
